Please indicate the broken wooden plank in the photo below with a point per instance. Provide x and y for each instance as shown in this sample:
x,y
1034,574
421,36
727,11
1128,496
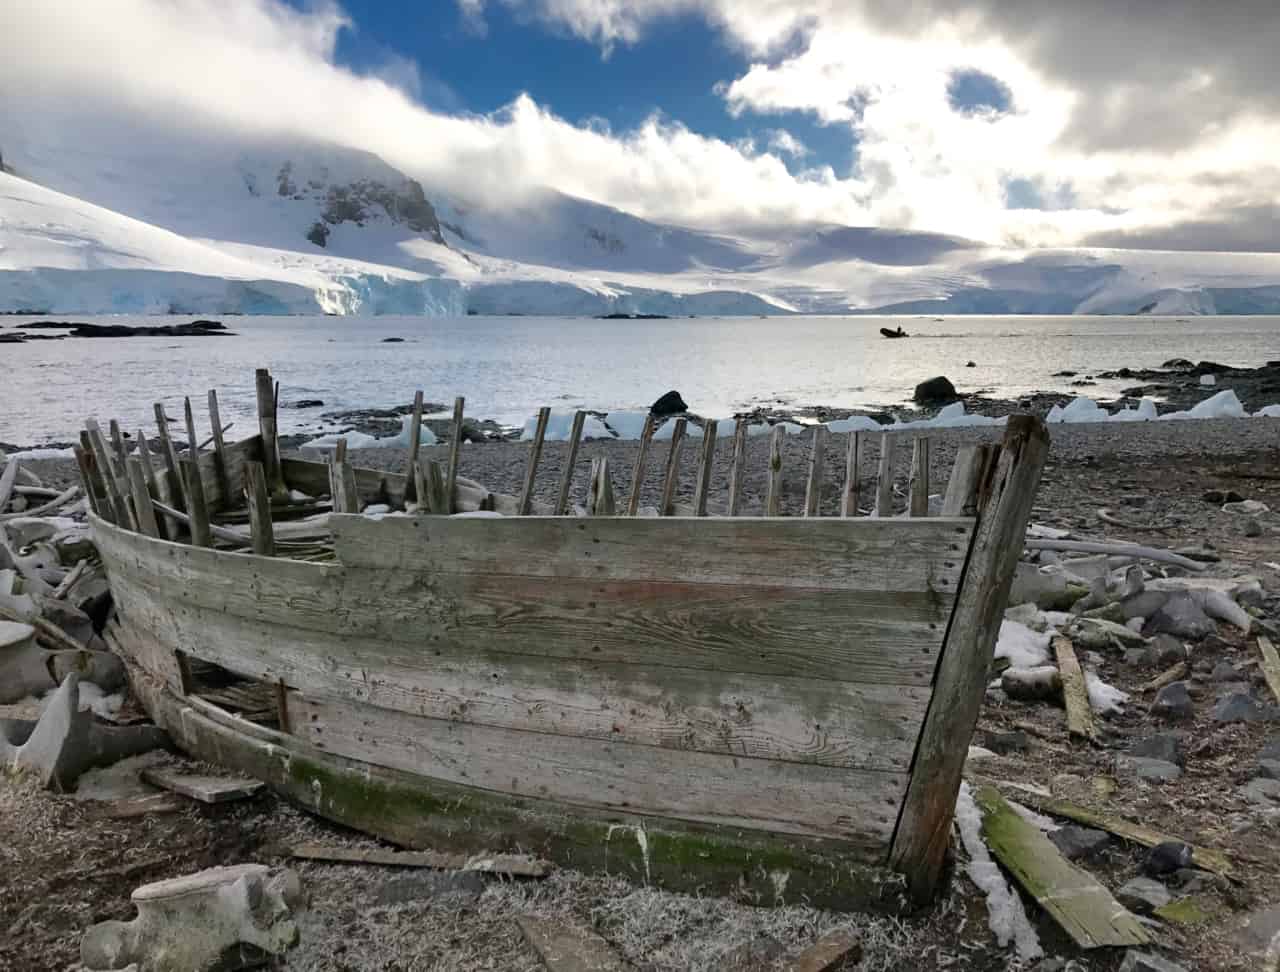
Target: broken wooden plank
x,y
1202,857
129,807
260,526
570,461
667,506
117,444
961,497
220,471
1077,901
852,472
535,453
455,458
568,948
600,501
201,533
268,428
884,481
415,444
206,789
1074,691
703,486
737,471
175,493
143,510
833,950
1270,664
513,865
773,494
919,495
637,474
813,490
1174,674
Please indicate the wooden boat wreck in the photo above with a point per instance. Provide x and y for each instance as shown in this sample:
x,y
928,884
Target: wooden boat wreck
x,y
776,708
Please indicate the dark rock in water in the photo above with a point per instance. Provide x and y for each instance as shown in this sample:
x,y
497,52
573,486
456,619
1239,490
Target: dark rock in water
x,y
1065,374
1166,746
935,391
633,317
669,404
1173,702
12,338
1178,364
1077,843
306,403
193,329
1166,858
1210,368
393,340
971,364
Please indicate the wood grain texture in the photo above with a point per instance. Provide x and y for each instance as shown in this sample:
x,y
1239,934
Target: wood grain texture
x,y
779,797
813,488
455,457
222,475
903,556
773,492
1081,906
563,947
143,510
261,528
1074,691
88,478
535,453
415,444
738,468
918,501
706,468
924,830
600,501
515,865
852,475
115,486
666,507
206,789
201,535
266,391
961,497
642,455
175,491
884,477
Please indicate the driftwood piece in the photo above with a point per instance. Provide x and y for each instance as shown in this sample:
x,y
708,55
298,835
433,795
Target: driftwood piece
x,y
852,475
835,949
219,451
415,445
570,462
568,948
141,806
1174,674
201,534
773,494
924,826
1074,691
705,469
738,468
455,457
1081,906
1118,549
1270,664
667,506
813,488
918,503
535,453
1108,517
1202,857
206,789
259,502
60,500
512,865
642,454
884,478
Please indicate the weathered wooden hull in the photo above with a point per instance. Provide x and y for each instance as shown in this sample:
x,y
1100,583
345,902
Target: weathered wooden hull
x,y
770,707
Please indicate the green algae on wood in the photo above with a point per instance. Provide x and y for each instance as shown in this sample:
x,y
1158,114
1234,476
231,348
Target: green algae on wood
x,y
1083,907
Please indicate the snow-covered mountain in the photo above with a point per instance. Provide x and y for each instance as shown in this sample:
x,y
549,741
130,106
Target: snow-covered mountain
x,y
109,221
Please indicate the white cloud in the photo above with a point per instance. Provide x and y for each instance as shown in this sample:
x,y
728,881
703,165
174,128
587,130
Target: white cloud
x,y
264,66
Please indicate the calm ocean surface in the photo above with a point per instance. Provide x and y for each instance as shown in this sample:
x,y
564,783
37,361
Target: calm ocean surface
x,y
507,367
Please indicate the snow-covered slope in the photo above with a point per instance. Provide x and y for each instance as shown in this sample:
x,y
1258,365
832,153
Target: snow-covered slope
x,y
96,219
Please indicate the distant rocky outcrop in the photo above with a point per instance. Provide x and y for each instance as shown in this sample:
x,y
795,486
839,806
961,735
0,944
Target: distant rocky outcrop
x,y
406,204
83,330
935,391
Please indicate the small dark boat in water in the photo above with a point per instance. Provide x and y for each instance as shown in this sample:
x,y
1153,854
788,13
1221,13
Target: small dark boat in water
x,y
886,332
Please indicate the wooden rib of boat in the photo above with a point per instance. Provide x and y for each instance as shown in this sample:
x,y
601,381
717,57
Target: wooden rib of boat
x,y
766,706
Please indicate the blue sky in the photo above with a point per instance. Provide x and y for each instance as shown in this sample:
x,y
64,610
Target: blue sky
x,y
672,70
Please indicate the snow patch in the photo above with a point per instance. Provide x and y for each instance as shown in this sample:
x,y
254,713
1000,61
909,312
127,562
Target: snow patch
x,y
1105,699
1023,647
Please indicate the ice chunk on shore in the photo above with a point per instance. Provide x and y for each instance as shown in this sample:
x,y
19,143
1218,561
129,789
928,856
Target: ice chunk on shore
x,y
1083,410
360,440
1023,647
560,426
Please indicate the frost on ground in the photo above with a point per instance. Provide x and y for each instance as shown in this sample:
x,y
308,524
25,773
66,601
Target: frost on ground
x,y
1006,916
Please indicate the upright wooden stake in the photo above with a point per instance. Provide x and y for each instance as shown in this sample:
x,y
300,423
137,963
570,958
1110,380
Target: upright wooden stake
x,y
259,502
919,501
177,485
571,460
201,535
924,824
142,508
83,460
637,474
852,474
415,444
961,498
738,470
773,495
813,491
117,446
884,482
114,487
268,428
169,527
600,498
346,499
219,451
193,443
668,505
705,469
433,476
535,453
451,480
